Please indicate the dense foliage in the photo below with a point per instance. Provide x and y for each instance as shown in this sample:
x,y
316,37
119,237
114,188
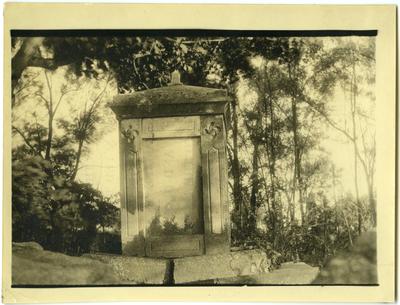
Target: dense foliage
x,y
61,215
285,189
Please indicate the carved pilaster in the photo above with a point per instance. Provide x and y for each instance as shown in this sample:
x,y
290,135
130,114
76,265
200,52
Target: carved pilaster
x,y
215,196
132,186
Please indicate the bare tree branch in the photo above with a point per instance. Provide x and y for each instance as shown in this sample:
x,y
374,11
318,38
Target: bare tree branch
x,y
63,94
47,102
329,121
137,72
26,141
49,87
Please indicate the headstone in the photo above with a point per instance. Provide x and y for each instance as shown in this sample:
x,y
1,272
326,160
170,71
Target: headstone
x,y
173,171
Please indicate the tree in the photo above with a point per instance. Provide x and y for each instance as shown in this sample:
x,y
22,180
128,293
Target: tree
x,y
297,56
82,129
44,94
61,214
265,123
352,66
233,61
138,62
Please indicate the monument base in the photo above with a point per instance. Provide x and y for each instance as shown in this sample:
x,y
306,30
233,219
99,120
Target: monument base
x,y
231,264
137,270
144,270
34,266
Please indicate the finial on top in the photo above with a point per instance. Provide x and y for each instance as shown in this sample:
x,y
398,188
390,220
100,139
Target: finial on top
x,y
175,78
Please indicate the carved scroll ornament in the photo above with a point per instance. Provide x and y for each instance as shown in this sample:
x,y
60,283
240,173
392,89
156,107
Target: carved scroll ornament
x,y
213,129
131,136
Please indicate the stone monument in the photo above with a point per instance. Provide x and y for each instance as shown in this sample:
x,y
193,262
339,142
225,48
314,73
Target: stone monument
x,y
173,171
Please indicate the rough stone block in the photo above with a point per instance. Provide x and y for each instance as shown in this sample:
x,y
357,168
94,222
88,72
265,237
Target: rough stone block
x,y
288,274
136,270
31,265
26,245
206,267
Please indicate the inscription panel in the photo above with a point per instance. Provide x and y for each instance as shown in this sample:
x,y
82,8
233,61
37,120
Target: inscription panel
x,y
171,127
172,180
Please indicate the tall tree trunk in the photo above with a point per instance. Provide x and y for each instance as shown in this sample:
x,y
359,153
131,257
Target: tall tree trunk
x,y
335,201
297,161
297,181
358,203
371,199
369,177
237,190
272,158
272,208
254,189
78,158
325,229
355,147
49,137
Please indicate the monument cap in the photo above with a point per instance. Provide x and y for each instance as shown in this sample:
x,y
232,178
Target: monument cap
x,y
176,99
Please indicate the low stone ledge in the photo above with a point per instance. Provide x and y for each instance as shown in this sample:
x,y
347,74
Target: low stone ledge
x,y
287,274
136,270
33,266
206,267
26,245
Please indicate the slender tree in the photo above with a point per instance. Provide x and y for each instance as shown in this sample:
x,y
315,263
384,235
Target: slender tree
x,y
352,66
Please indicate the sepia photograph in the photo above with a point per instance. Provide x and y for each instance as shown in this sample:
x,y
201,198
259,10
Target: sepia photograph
x,y
193,158
230,158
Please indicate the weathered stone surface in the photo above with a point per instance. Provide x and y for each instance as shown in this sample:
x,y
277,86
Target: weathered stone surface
x,y
171,101
287,274
206,267
178,94
34,266
27,245
31,265
136,270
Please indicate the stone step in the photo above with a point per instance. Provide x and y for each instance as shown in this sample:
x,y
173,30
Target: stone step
x,y
206,267
288,274
137,270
